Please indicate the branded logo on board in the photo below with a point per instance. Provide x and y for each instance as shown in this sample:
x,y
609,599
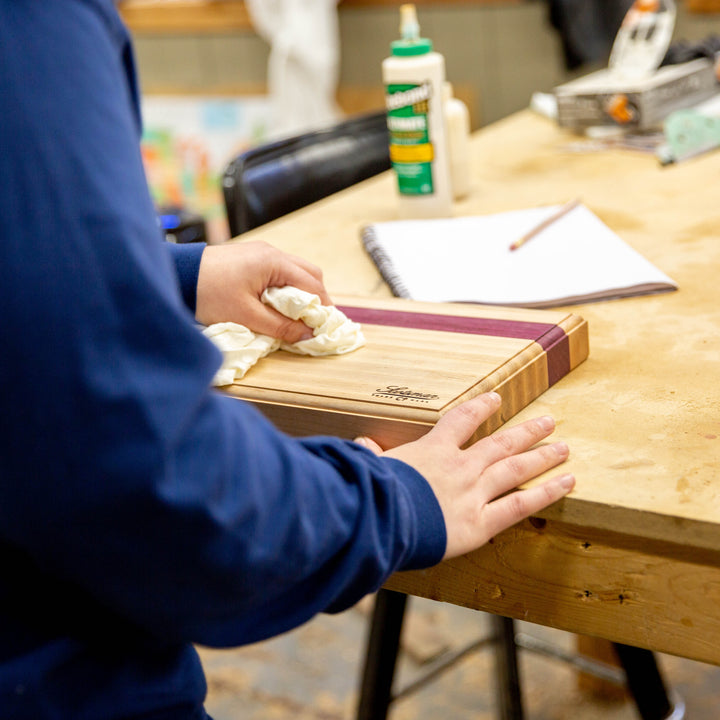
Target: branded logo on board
x,y
402,393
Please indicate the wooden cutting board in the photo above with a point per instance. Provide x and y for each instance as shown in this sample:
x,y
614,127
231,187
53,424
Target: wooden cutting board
x,y
420,360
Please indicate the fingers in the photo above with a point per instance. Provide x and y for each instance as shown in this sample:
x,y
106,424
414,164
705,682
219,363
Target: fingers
x,y
309,267
466,481
511,509
515,470
232,278
268,321
298,272
458,425
370,444
514,440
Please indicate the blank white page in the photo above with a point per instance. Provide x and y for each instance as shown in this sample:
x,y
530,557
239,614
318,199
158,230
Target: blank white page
x,y
468,259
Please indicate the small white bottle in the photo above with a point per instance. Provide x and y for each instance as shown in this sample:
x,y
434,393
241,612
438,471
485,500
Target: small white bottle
x,y
414,76
457,124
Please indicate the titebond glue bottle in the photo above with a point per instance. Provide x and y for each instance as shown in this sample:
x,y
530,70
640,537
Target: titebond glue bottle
x,y
413,76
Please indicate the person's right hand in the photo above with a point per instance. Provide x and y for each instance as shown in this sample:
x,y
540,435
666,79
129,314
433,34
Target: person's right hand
x,y
473,484
233,277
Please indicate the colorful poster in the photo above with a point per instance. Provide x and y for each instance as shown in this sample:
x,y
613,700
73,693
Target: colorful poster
x,y
187,143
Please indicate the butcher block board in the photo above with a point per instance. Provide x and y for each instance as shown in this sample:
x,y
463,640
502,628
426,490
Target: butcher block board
x,y
420,360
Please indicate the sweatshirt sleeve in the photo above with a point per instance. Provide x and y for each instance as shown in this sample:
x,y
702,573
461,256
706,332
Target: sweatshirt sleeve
x,y
124,474
186,259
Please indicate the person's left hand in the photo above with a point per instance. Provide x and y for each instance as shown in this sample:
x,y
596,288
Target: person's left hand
x,y
233,277
475,486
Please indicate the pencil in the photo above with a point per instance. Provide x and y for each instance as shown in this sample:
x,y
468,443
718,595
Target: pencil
x,y
564,210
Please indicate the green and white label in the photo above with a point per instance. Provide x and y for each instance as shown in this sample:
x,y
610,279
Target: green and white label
x,y
411,151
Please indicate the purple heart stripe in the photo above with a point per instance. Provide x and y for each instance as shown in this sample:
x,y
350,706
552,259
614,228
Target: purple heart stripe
x,y
551,338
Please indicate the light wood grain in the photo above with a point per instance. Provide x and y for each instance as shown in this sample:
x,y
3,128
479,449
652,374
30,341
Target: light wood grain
x,y
406,378
640,415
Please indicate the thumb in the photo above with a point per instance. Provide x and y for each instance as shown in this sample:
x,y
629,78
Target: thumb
x,y
369,444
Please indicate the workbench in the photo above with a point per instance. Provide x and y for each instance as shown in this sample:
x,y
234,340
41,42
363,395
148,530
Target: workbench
x,y
633,554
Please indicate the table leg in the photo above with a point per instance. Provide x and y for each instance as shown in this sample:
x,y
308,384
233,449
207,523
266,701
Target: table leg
x,y
645,682
381,655
509,699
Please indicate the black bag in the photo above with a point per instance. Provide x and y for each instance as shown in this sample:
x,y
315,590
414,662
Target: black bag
x,y
271,180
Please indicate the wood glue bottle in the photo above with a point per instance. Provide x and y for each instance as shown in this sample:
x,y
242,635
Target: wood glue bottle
x,y
457,127
414,76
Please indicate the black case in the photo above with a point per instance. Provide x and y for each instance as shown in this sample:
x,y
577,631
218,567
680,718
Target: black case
x,y
272,180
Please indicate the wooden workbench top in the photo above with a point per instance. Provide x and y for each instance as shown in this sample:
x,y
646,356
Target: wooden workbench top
x,y
642,414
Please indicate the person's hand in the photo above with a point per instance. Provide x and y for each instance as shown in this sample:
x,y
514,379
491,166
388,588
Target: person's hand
x,y
473,485
233,277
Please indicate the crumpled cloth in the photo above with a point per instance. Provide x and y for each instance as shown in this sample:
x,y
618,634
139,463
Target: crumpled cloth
x,y
241,349
333,333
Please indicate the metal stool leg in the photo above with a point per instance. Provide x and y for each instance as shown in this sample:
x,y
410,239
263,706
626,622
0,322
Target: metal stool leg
x,y
509,699
644,682
381,655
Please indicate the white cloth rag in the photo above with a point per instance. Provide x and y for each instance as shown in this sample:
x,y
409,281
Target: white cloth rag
x,y
333,333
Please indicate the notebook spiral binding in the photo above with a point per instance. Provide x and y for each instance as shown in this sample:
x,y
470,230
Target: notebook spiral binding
x,y
383,263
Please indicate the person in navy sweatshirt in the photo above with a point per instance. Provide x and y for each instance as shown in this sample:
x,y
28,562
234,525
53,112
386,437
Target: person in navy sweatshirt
x,y
142,511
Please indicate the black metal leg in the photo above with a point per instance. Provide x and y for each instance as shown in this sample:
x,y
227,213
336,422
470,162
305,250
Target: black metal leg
x,y
381,655
644,682
509,699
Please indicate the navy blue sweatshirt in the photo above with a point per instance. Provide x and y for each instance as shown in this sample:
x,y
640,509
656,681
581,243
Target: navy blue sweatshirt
x,y
140,510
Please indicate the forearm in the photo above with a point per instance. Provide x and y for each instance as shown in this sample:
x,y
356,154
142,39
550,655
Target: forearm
x,y
200,522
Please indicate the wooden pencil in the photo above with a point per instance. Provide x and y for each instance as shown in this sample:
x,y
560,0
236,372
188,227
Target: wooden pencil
x,y
564,210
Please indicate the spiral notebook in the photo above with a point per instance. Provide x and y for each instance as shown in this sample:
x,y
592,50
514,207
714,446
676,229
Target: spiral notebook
x,y
576,259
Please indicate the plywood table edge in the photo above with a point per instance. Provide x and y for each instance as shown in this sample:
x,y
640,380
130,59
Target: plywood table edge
x,y
651,525
610,585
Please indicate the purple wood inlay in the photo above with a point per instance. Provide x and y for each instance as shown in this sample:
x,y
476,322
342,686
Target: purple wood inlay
x,y
449,323
556,345
551,338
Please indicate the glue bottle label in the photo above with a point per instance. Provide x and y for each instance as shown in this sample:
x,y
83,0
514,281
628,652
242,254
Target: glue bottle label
x,y
411,151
